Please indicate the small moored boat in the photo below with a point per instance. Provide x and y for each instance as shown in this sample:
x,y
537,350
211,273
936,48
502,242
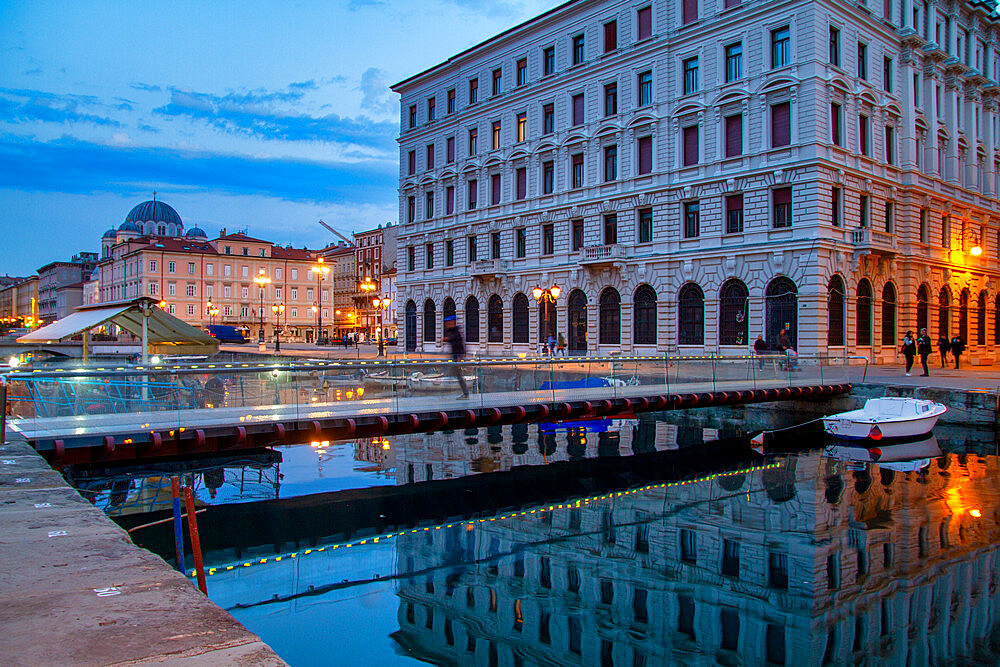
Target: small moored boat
x,y
886,418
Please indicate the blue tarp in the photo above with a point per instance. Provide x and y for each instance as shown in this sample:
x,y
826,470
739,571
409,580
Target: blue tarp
x,y
587,383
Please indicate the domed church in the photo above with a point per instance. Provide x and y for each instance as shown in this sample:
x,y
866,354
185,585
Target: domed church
x,y
150,218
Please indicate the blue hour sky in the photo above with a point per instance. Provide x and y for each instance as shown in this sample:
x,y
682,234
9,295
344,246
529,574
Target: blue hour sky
x,y
261,115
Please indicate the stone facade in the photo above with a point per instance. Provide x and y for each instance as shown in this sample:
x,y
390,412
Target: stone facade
x,y
694,174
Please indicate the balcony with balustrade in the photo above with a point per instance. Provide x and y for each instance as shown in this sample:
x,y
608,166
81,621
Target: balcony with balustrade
x,y
867,241
603,254
488,268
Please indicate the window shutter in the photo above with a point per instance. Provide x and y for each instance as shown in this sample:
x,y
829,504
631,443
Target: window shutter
x,y
781,128
690,12
522,183
734,203
734,136
835,123
782,196
610,36
496,189
690,145
578,110
645,16
645,155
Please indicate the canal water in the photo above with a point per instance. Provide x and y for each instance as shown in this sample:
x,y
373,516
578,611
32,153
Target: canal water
x,y
653,541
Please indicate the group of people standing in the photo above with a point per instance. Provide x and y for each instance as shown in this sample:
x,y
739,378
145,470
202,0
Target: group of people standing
x,y
923,346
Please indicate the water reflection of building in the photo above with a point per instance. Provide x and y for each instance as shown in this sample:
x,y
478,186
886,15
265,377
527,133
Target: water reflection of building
x,y
807,563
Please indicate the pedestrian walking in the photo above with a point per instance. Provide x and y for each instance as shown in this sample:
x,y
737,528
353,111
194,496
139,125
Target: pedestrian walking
x,y
944,346
561,346
551,344
760,348
924,349
909,350
457,345
957,348
785,347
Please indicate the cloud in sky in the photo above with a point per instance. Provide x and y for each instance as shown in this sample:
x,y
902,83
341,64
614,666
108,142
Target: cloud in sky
x,y
18,105
376,96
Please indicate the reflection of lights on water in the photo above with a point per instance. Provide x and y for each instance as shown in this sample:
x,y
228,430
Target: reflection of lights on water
x,y
975,513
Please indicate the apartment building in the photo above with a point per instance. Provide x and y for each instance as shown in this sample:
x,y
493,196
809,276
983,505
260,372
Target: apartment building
x,y
692,174
60,286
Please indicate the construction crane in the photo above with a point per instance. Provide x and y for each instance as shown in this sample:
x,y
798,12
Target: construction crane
x,y
349,241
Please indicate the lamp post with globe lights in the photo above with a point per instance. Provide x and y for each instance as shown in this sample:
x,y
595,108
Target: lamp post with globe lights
x,y
545,297
261,281
381,304
367,286
321,271
277,309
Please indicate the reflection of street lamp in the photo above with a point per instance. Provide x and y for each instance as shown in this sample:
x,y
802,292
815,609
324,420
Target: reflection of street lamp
x,y
367,286
546,296
381,304
278,309
320,270
262,281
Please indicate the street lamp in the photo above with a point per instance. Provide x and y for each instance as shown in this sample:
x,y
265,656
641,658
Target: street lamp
x,y
381,304
320,270
367,286
545,297
278,309
262,281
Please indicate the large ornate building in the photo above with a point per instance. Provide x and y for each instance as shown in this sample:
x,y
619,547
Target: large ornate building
x,y
694,173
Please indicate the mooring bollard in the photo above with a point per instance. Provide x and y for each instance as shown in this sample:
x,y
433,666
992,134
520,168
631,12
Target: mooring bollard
x,y
175,491
199,568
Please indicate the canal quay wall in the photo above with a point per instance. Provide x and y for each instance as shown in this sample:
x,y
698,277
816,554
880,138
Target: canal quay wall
x,y
75,590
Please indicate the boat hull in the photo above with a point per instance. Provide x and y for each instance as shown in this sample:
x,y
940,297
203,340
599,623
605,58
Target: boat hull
x,y
864,429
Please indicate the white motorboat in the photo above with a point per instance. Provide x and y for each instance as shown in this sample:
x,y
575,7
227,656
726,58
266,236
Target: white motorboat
x,y
438,382
891,417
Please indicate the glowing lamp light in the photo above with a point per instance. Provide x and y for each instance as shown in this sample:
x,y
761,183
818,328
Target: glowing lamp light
x,y
14,362
537,293
976,251
155,359
975,513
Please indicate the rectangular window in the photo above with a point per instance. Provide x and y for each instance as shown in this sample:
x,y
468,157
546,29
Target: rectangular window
x,y
495,184
887,74
548,239
449,200
497,80
450,107
734,214
645,88
449,252
548,177
171,267
610,163
610,99
890,144
577,170
429,205
645,150
190,267
734,135
836,136
473,193
644,21
429,256
864,134
690,67
411,163
782,203
495,135
430,156
520,242
521,178
781,124
431,108
689,11
549,60
610,36
578,109
835,47
411,209
730,622
449,150
692,219
734,62
610,229
578,49
413,116
522,71
473,90
863,213
690,145
473,141
522,126
645,225
548,119
689,546
577,234
495,245
889,215
472,249
916,90
778,571
685,615
862,61
781,47
923,226
836,207
731,558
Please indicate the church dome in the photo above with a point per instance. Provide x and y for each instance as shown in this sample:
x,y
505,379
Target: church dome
x,y
129,226
196,232
154,211
110,234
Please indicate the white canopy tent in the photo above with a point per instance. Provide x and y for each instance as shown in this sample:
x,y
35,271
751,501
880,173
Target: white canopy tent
x,y
161,332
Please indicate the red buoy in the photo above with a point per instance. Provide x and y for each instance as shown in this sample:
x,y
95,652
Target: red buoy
x,y
875,453
875,433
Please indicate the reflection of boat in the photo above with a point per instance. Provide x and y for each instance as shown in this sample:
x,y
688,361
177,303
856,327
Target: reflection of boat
x,y
590,425
903,456
383,378
420,382
886,418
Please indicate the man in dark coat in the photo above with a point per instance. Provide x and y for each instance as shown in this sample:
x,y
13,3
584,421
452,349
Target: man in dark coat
x,y
457,345
957,348
943,346
924,349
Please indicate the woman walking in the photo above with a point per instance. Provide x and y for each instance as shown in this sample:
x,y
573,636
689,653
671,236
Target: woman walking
x,y
944,346
909,350
924,349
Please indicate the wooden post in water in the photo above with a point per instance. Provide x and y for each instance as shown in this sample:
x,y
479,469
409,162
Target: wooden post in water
x,y
175,491
199,567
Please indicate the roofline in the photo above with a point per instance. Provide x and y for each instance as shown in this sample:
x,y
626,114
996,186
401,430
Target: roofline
x,y
494,38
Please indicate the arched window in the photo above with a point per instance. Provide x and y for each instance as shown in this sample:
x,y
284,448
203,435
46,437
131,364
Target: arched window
x,y
835,297
963,316
644,312
472,319
520,319
944,312
981,319
494,320
863,324
734,310
610,328
923,308
547,320
691,315
889,314
577,339
448,309
781,306
430,321
410,325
